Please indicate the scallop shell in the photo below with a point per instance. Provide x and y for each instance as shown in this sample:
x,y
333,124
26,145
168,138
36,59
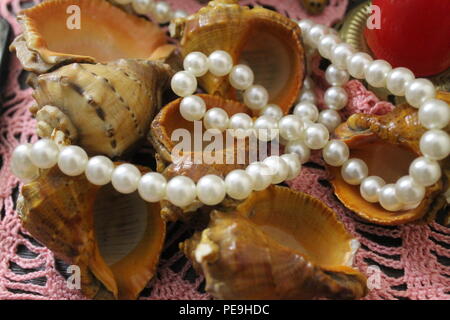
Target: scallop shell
x,y
114,239
170,119
104,108
388,144
278,244
106,33
267,41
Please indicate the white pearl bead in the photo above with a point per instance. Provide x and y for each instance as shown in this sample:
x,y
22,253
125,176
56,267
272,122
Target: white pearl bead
x,y
152,187
125,178
211,190
335,76
21,165
162,12
425,171
181,191
99,170
260,174
357,64
377,72
72,160
370,188
44,153
336,153
307,96
291,127
179,14
266,129
435,144
293,163
256,97
330,118
183,84
196,63
305,25
388,198
306,110
434,114
216,118
143,6
220,63
241,77
397,80
340,54
238,184
279,169
273,111
300,149
192,108
308,84
336,98
354,171
327,44
316,136
408,191
418,91
242,124
316,33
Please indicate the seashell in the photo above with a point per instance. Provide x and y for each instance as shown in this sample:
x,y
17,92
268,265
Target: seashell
x,y
278,244
170,119
114,239
267,41
388,144
104,108
59,32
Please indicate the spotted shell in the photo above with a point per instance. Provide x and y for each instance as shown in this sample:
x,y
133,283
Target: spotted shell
x,y
265,40
278,244
388,144
114,239
104,108
59,32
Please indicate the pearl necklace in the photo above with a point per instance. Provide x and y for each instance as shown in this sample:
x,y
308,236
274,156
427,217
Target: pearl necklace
x,y
299,130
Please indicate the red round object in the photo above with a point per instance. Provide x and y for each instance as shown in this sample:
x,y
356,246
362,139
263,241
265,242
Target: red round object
x,y
414,34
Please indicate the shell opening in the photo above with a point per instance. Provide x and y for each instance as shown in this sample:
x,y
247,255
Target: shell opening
x,y
119,223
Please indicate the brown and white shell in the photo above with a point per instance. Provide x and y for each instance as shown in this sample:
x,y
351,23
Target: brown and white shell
x,y
267,41
105,108
60,32
278,244
388,144
115,239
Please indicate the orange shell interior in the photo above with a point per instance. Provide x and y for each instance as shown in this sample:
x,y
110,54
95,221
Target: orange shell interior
x,y
106,32
388,161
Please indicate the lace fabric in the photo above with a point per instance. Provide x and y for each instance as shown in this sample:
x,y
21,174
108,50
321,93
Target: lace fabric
x,y
405,262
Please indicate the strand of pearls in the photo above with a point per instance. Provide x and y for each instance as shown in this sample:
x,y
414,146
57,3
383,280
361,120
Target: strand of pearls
x,y
434,115
158,10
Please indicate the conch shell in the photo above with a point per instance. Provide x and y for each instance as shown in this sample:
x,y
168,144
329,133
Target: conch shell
x,y
60,32
104,108
388,144
278,244
114,239
170,119
265,40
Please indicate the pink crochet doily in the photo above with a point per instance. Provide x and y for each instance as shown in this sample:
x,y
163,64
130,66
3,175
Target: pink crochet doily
x,y
406,262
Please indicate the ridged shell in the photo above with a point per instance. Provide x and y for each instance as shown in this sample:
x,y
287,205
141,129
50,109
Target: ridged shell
x,y
104,108
264,39
278,244
51,38
114,239
388,144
